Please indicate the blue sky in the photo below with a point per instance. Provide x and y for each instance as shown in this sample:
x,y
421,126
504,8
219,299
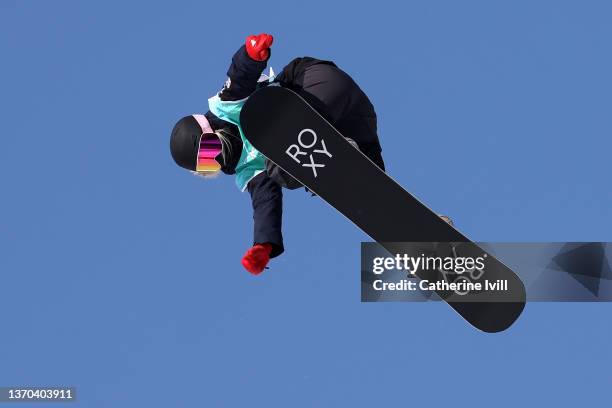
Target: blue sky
x,y
121,273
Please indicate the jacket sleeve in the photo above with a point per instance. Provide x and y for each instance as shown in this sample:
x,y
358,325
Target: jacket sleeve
x,y
267,200
243,74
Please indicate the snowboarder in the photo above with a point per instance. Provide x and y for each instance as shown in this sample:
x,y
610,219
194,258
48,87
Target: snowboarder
x,y
209,143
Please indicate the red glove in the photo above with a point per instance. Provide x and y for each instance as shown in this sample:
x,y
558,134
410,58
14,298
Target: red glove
x,y
258,46
256,258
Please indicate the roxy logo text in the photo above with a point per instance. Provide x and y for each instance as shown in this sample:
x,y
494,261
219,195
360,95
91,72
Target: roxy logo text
x,y
309,150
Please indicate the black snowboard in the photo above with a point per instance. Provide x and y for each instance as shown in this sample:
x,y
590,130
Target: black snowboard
x,y
289,132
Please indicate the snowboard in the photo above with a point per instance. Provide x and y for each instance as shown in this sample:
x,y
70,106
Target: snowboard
x,y
290,133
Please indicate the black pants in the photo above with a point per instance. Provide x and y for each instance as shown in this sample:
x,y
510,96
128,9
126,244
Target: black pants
x,y
335,95
339,99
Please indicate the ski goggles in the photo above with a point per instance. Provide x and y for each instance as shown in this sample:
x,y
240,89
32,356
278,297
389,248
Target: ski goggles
x,y
209,148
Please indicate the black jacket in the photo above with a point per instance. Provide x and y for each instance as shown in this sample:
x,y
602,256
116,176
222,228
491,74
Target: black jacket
x,y
331,92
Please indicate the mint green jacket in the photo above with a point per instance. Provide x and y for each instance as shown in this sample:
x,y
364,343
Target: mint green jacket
x,y
251,162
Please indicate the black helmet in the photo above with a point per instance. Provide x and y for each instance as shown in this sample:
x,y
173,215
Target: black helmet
x,y
184,142
186,135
